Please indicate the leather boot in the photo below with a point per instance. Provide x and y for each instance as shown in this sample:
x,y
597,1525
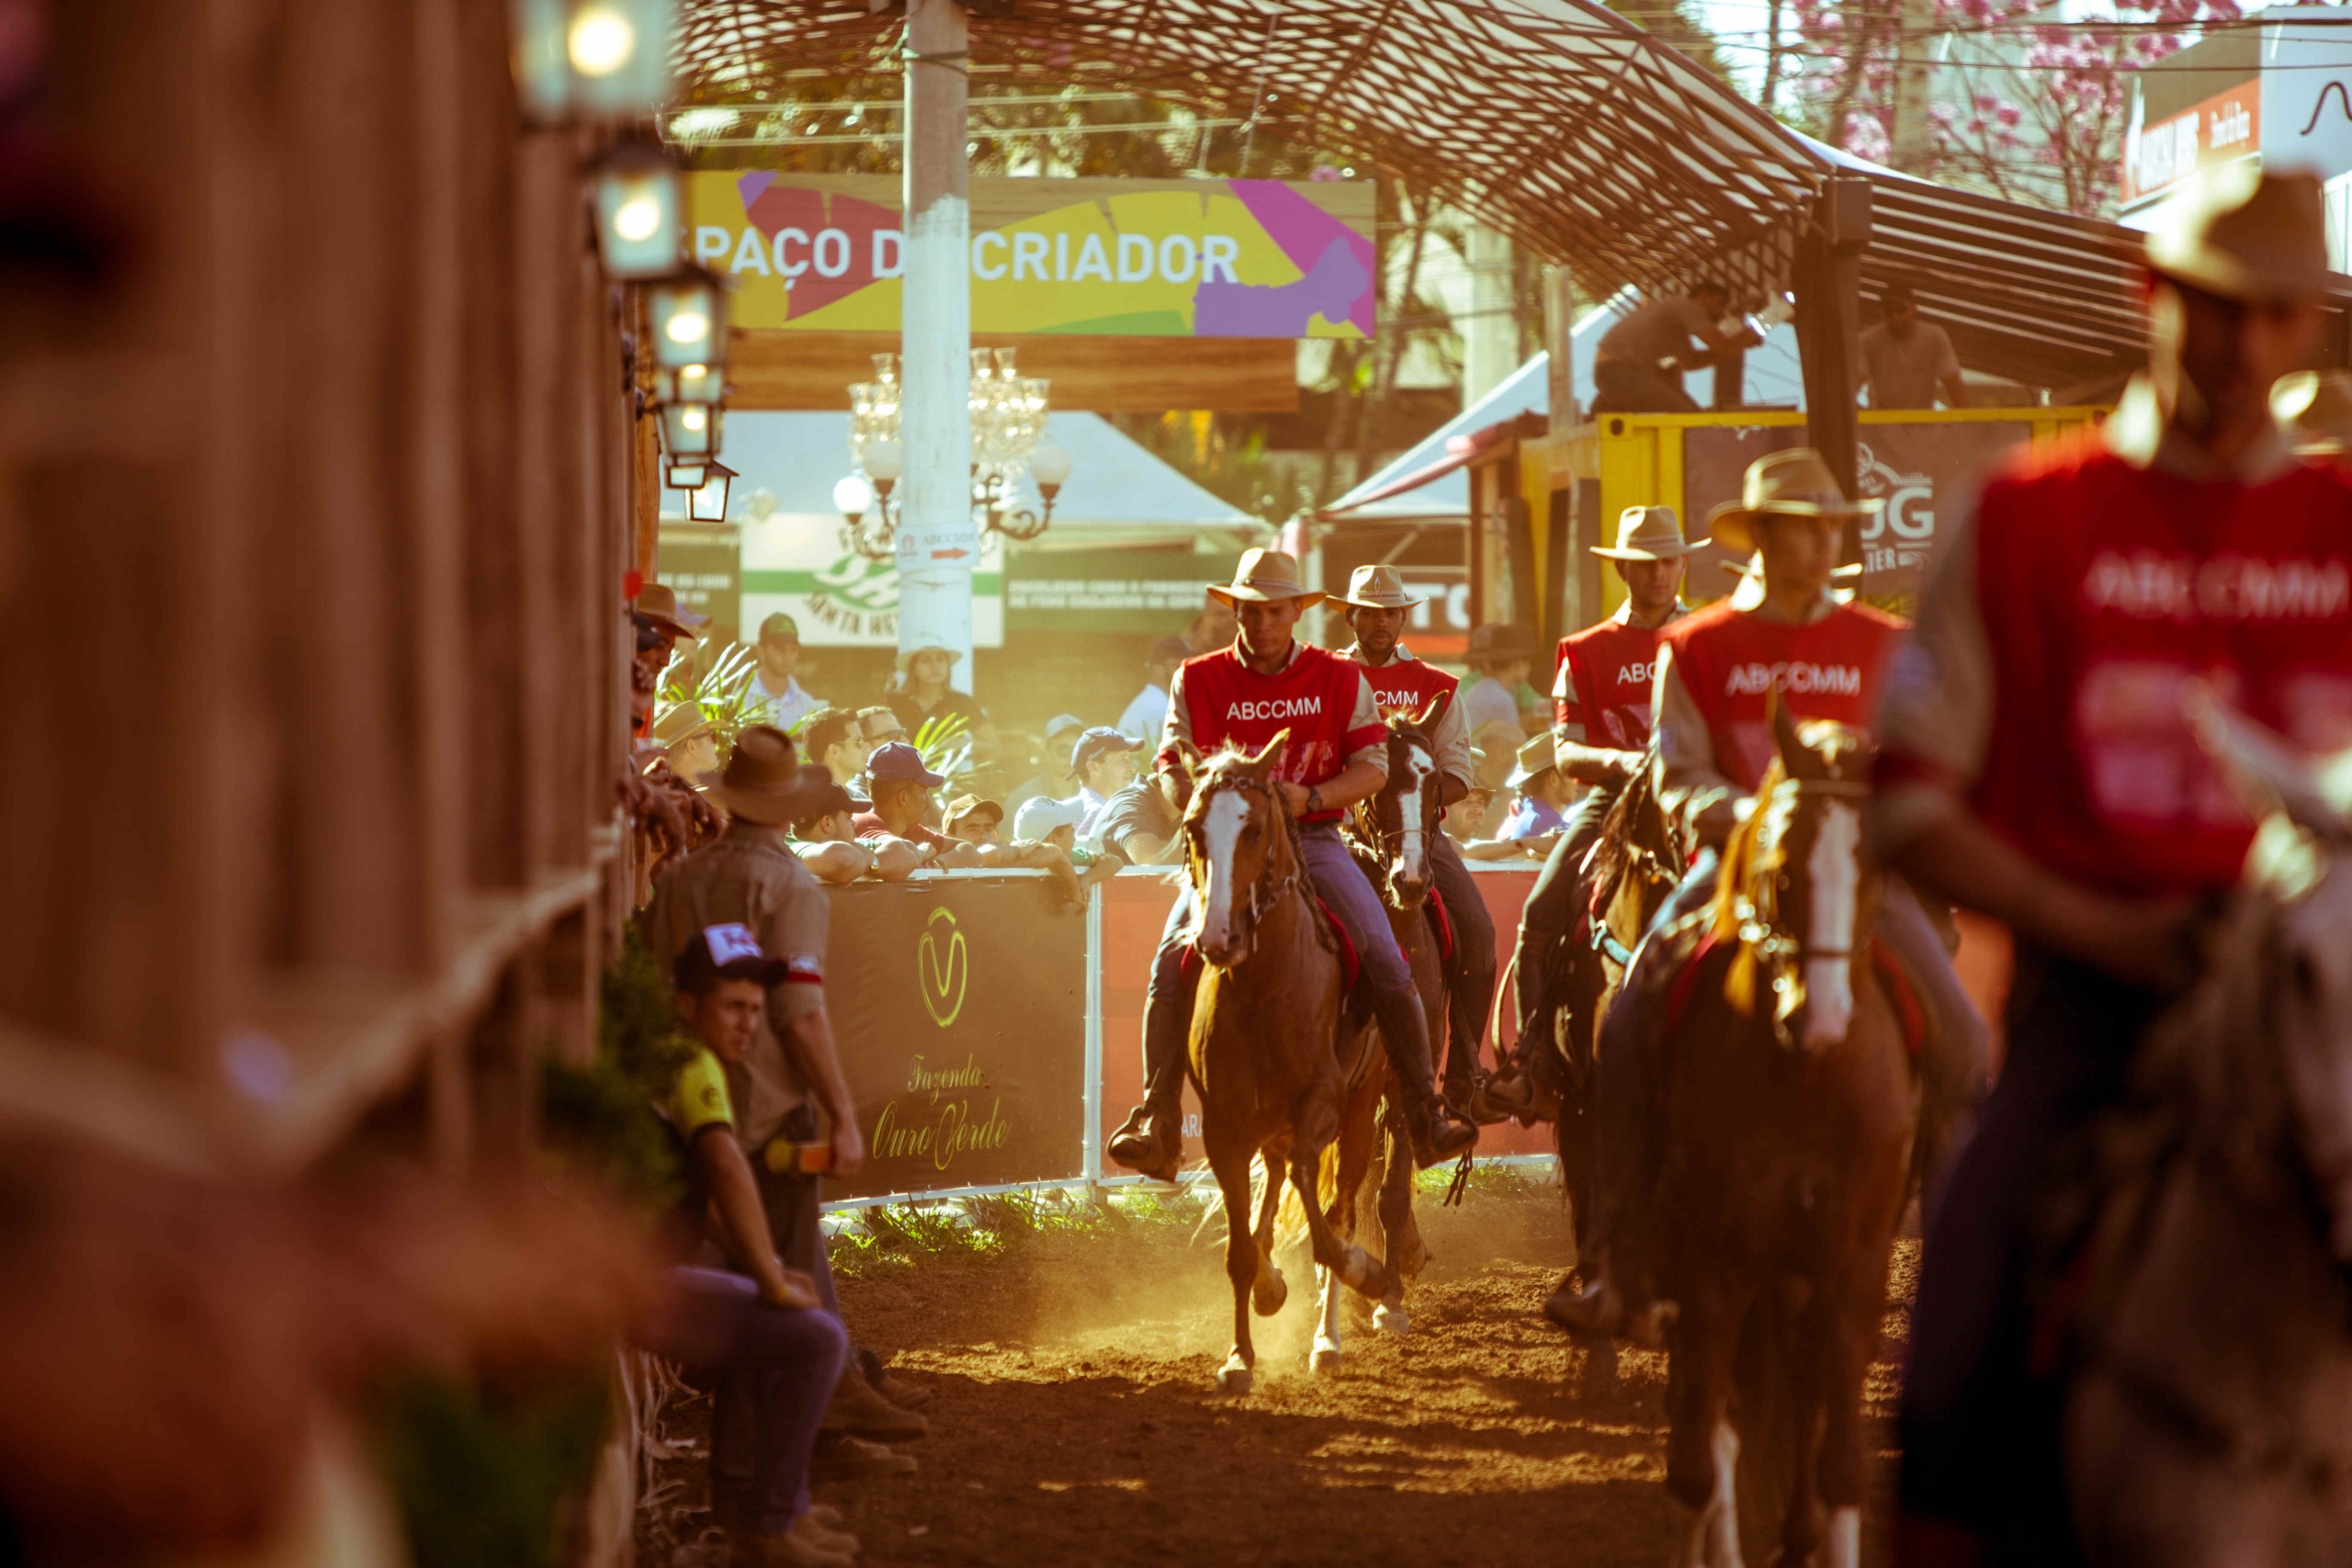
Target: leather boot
x,y
1437,1134
1151,1141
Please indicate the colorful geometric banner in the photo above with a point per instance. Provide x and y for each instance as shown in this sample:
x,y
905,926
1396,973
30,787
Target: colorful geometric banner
x,y
1149,258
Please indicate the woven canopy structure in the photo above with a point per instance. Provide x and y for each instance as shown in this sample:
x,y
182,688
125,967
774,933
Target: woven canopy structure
x,y
1595,145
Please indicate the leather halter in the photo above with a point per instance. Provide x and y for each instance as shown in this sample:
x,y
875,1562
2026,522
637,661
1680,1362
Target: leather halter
x,y
1261,893
1364,817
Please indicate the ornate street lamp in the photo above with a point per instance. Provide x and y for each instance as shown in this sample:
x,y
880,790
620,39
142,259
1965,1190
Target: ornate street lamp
x,y
690,432
1008,413
637,211
684,476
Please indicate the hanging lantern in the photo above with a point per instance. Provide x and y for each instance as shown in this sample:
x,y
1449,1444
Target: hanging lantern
x,y
638,210
707,504
690,432
591,57
684,476
689,315
690,384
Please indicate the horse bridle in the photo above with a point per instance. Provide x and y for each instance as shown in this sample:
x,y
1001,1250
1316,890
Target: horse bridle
x,y
1386,841
1261,892
1758,928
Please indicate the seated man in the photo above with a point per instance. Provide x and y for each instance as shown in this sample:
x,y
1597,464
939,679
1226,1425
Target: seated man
x,y
827,842
902,787
832,738
974,820
1461,818
1102,762
766,1334
1269,684
1714,729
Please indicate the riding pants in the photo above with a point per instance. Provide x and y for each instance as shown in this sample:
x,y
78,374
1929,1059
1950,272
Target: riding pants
x,y
1979,1419
1550,914
1471,979
1953,1068
1385,978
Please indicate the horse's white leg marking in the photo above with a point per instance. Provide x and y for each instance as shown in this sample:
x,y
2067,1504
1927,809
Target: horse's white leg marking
x,y
1412,855
1220,830
1836,871
1845,1545
1325,1357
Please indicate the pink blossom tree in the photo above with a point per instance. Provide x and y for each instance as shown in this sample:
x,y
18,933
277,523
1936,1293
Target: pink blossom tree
x,y
2018,102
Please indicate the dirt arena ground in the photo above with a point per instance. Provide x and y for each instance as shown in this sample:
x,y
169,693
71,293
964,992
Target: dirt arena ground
x,y
1074,1420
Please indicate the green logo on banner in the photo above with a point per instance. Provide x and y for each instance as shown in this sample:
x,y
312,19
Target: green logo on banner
x,y
941,979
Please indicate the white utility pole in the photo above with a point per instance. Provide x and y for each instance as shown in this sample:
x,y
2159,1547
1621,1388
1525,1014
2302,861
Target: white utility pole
x,y
1911,145
1490,338
938,543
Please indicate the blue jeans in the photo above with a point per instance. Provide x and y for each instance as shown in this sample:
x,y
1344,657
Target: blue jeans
x,y
1385,979
1471,995
783,1363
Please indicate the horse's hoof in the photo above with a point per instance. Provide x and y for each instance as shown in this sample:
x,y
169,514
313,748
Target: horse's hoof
x,y
1324,1358
1233,1378
1391,1320
1268,1294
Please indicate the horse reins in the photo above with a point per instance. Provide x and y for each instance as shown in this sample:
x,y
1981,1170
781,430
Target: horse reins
x,y
1261,893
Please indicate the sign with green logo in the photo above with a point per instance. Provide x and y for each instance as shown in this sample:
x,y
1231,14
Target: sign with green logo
x,y
840,599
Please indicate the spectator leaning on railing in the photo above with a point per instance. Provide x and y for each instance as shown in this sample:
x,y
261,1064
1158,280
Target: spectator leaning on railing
x,y
902,787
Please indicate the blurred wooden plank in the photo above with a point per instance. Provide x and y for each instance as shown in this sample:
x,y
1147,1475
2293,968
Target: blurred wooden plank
x,y
812,370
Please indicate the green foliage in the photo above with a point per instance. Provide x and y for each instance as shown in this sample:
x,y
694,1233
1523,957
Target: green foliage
x,y
601,1117
717,688
481,1479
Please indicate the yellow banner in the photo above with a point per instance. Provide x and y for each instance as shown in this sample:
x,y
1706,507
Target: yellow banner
x,y
1151,258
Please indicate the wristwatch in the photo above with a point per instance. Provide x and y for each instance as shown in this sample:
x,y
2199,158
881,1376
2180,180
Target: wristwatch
x,y
1313,801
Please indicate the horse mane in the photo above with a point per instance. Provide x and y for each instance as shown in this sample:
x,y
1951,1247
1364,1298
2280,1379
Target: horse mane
x,y
1739,858
1614,852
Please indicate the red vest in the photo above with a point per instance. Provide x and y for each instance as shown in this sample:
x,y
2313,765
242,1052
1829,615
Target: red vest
x,y
1227,702
1611,669
1729,659
1407,686
2103,588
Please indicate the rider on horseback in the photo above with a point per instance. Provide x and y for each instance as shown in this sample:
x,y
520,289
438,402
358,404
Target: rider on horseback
x,y
1602,693
2039,766
1244,695
1719,672
1378,604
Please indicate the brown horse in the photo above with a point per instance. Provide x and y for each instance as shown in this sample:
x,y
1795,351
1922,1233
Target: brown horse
x,y
1273,1048
1392,830
2209,1407
1789,1111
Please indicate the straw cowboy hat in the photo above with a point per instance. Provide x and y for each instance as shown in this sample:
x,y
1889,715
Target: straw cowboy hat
x,y
2316,408
906,656
1266,577
2244,233
1794,484
763,780
1538,756
1375,588
658,603
1649,533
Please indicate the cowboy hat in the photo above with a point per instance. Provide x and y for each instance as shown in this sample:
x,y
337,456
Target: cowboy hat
x,y
1266,577
763,780
1538,756
1794,484
658,603
2245,233
1376,588
1649,533
2316,408
907,655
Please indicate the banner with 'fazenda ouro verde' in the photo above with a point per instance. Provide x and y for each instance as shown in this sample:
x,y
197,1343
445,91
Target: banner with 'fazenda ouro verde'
x,y
958,1005
1147,258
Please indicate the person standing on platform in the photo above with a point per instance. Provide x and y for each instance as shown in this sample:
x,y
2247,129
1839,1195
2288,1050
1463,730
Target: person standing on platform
x,y
1266,683
2038,766
1907,361
1600,734
1639,364
782,700
1377,606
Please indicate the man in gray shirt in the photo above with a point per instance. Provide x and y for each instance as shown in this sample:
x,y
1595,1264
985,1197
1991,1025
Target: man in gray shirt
x,y
1907,360
1629,373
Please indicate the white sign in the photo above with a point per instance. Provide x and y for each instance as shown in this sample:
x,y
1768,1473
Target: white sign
x,y
799,566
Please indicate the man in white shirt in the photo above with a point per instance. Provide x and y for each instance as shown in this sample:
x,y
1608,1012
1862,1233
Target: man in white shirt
x,y
782,700
1103,763
1146,712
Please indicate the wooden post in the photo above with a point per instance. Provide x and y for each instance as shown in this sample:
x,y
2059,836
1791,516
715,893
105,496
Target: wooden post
x,y
1827,281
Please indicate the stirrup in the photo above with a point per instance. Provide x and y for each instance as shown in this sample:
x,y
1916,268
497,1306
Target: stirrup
x,y
1148,1145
